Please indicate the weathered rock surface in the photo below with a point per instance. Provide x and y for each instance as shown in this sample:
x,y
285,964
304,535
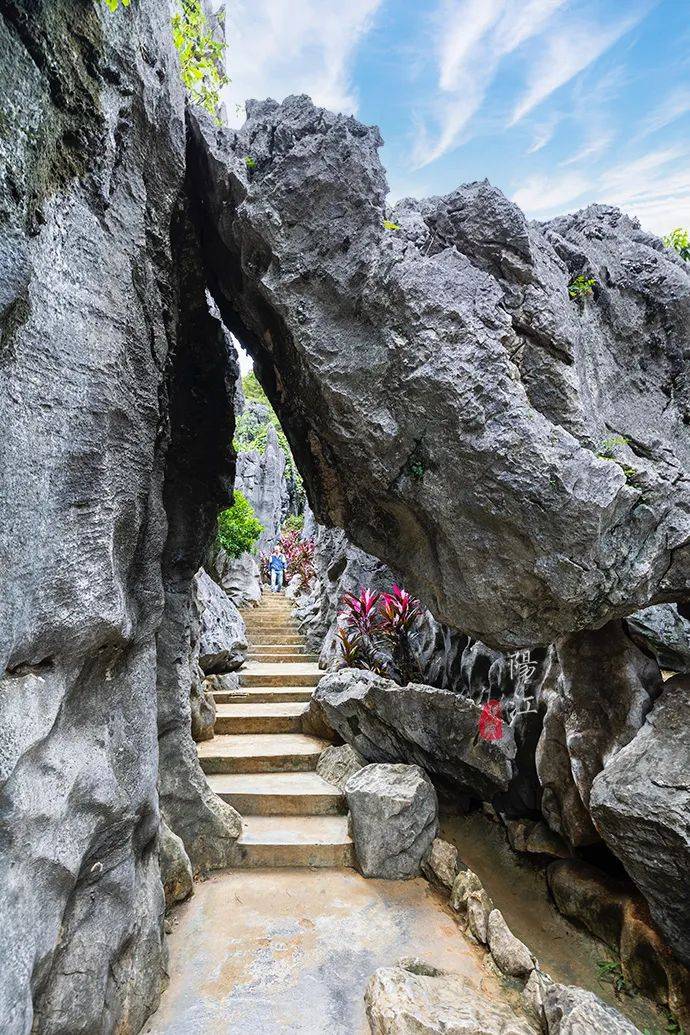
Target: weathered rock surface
x,y
223,638
641,806
533,837
394,815
176,869
440,864
574,1011
510,954
436,729
664,631
473,347
88,323
203,706
405,1002
337,763
464,885
261,477
238,576
597,691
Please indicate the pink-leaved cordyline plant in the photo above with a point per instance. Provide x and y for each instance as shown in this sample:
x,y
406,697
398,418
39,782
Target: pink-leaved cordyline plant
x,y
378,632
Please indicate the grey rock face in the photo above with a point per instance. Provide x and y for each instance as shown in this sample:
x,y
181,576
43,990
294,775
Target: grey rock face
x,y
596,703
440,864
394,815
574,1011
261,477
176,869
406,1002
641,807
436,729
665,632
473,347
510,954
239,577
88,318
203,705
223,639
337,763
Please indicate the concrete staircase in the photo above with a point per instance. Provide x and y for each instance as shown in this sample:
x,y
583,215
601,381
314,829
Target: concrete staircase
x,y
261,763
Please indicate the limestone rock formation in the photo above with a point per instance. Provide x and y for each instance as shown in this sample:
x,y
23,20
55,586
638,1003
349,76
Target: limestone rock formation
x,y
261,477
473,349
89,230
337,763
641,806
203,706
394,815
440,864
509,953
223,639
400,1001
176,869
239,577
575,1011
664,631
436,729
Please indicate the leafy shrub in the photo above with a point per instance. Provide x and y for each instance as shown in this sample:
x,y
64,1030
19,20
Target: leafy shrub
x,y
581,287
250,162
252,389
378,631
679,240
238,527
294,523
389,225
201,56
113,5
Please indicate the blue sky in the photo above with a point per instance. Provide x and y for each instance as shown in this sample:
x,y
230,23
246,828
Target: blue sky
x,y
559,103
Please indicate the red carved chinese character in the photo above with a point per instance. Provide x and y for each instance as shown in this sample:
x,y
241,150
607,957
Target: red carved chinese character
x,y
491,721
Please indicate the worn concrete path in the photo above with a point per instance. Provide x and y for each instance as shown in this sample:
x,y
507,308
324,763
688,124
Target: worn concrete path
x,y
262,952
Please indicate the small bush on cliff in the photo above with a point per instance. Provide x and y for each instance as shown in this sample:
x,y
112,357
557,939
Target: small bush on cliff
x,y
294,523
581,287
238,527
679,240
252,389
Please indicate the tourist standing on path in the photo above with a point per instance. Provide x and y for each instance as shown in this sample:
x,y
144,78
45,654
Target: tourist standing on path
x,y
277,566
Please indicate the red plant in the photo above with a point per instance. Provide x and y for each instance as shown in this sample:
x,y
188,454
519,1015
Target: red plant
x,y
378,632
361,612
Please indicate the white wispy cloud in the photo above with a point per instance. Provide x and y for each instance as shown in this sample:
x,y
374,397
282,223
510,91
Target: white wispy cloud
x,y
473,36
674,106
565,54
654,187
595,144
276,48
544,193
544,133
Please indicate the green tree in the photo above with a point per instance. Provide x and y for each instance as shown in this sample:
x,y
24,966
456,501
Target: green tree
x,y
238,527
201,56
679,240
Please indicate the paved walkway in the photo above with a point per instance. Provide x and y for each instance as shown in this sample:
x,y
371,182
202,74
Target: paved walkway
x,y
262,952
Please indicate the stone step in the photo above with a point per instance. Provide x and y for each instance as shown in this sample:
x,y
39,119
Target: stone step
x,y
291,639
260,753
271,627
278,794
263,673
259,718
278,656
295,841
280,648
263,694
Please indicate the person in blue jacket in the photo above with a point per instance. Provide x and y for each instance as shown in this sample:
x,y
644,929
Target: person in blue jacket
x,y
277,566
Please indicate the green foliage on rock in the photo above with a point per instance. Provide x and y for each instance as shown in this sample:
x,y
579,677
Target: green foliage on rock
x,y
293,523
679,240
201,56
238,527
113,5
581,287
252,389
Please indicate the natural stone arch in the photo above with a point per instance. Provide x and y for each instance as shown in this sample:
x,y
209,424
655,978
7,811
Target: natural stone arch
x,y
443,396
